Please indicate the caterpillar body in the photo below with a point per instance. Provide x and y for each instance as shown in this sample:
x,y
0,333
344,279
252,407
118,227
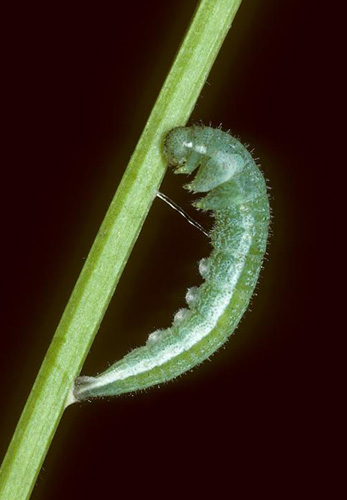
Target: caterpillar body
x,y
236,193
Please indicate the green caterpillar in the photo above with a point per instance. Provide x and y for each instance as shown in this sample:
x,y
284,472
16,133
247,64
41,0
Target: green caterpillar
x,y
237,196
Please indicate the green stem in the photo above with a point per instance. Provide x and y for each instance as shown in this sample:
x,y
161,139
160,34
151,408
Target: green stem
x,y
111,249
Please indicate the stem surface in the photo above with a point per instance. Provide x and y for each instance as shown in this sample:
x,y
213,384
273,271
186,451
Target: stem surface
x,y
111,249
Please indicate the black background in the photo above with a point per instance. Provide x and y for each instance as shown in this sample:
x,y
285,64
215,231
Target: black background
x,y
80,83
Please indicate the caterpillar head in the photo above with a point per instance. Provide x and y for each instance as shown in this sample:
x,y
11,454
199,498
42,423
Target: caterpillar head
x,y
215,151
178,147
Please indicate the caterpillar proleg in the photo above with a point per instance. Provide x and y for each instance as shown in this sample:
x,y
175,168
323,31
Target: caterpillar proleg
x,y
236,194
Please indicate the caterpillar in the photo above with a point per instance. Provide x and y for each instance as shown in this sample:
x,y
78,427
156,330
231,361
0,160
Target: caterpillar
x,y
236,193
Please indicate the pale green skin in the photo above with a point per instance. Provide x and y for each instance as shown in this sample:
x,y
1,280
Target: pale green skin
x,y
237,196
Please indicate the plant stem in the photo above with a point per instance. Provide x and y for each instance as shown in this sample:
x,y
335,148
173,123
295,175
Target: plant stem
x,y
111,249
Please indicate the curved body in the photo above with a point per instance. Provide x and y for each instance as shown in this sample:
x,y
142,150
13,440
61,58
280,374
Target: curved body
x,y
236,193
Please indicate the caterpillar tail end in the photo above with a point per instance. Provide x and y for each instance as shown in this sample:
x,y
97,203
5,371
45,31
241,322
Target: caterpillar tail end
x,y
71,398
81,388
75,394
